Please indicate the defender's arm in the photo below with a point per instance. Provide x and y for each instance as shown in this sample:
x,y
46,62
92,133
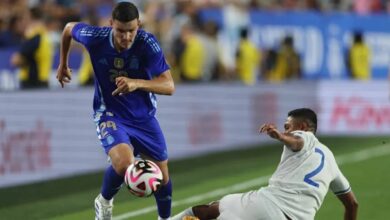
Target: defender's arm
x,y
293,142
350,205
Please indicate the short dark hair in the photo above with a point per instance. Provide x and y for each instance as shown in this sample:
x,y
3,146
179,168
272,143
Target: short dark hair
x,y
288,40
244,33
36,13
306,115
358,37
125,12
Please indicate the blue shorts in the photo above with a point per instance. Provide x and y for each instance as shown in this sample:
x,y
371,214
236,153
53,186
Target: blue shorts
x,y
146,137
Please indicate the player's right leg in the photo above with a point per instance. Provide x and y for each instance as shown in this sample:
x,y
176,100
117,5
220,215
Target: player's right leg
x,y
249,205
164,194
115,142
121,157
150,143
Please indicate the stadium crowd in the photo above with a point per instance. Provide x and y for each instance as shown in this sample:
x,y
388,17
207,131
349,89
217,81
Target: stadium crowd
x,y
194,47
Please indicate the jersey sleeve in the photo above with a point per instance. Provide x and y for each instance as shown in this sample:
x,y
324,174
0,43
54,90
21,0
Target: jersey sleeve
x,y
307,139
340,184
89,35
156,63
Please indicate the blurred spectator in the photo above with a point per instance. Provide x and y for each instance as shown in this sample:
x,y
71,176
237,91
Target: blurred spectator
x,y
336,5
368,6
235,17
168,20
268,63
208,37
192,58
12,36
247,60
185,13
313,5
362,6
288,62
290,4
171,31
173,57
35,55
151,16
11,27
63,11
386,6
359,57
86,73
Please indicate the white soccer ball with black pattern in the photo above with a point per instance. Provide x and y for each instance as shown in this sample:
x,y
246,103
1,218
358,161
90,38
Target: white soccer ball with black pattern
x,y
143,178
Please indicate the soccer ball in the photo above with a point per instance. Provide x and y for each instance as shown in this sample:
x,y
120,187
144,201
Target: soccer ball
x,y
143,178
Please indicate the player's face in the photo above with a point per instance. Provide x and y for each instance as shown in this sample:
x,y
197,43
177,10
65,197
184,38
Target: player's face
x,y
292,124
124,33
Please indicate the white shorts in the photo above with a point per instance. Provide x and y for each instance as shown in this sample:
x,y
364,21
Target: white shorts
x,y
248,206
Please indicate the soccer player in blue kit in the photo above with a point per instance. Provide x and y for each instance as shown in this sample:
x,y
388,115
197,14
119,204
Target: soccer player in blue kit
x,y
130,69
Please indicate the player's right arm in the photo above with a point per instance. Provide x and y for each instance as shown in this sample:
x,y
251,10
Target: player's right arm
x,y
350,205
294,142
64,73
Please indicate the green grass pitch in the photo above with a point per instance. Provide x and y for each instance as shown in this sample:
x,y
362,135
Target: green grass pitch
x,y
209,177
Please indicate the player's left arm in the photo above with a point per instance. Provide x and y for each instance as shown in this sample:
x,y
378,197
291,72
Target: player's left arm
x,y
342,189
162,84
350,205
64,73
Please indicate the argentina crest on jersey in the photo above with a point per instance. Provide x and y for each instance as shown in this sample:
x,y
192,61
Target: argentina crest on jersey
x,y
119,63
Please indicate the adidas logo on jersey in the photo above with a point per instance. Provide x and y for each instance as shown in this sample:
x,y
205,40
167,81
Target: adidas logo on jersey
x,y
103,61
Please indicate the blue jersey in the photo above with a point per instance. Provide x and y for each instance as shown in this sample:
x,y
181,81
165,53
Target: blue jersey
x,y
143,60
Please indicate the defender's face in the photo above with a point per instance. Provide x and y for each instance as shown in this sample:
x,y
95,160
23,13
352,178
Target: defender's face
x,y
124,33
292,125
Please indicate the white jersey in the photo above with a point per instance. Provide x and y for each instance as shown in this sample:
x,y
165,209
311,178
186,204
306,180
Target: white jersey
x,y
301,181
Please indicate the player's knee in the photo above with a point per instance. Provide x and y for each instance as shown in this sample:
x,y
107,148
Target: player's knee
x,y
165,180
121,164
164,169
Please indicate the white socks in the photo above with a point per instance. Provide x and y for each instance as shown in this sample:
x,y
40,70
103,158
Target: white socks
x,y
105,201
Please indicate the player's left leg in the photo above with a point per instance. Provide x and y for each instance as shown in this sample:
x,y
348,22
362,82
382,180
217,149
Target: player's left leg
x,y
210,211
203,212
150,143
164,195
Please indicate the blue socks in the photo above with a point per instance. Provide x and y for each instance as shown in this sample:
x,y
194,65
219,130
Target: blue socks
x,y
164,199
111,183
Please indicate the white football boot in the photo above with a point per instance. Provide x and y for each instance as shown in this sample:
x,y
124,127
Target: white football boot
x,y
103,208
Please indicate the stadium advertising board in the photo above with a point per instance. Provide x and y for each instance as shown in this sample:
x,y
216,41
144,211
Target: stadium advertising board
x,y
50,133
362,108
46,134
